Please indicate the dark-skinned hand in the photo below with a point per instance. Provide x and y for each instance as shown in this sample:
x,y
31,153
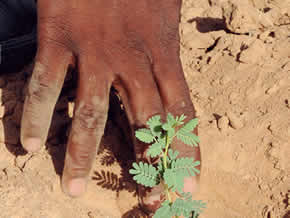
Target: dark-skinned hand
x,y
131,45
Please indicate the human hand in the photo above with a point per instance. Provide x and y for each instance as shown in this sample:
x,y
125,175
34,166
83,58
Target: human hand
x,y
131,45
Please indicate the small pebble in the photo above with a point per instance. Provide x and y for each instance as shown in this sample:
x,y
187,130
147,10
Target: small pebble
x,y
235,121
71,106
272,89
223,123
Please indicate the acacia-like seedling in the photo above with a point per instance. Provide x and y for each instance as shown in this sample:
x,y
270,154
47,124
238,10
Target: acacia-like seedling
x,y
170,170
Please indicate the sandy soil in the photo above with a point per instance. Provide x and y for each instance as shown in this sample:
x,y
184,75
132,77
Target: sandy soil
x,y
236,57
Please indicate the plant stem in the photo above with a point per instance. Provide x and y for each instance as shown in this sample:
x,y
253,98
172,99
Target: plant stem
x,y
165,166
168,193
166,152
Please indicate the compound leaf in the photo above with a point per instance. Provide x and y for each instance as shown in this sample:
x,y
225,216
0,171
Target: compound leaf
x,y
173,181
188,138
180,168
162,140
172,154
181,207
179,120
169,125
160,167
154,150
170,119
144,135
186,207
197,206
186,195
164,211
155,125
145,174
190,125
166,126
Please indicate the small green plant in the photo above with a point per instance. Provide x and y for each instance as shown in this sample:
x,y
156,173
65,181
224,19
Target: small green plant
x,y
170,170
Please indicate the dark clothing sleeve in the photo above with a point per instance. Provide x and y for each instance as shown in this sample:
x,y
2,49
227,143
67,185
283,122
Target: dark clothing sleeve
x,y
17,34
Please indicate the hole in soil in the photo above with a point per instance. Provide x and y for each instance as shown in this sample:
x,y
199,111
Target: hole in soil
x,y
272,34
217,116
267,9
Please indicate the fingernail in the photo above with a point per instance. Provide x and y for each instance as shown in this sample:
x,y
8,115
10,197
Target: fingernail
x,y
76,187
32,144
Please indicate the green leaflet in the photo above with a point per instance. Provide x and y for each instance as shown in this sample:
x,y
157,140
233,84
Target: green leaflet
x,y
190,125
173,179
170,131
185,133
188,138
169,125
160,167
181,207
154,150
179,120
172,154
180,168
144,135
170,119
197,206
155,125
145,174
162,140
185,207
186,195
164,211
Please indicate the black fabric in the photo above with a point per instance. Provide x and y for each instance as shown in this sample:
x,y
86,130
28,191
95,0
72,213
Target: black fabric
x,y
18,20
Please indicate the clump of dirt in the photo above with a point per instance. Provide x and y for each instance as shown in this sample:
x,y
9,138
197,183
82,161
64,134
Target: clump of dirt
x,y
236,59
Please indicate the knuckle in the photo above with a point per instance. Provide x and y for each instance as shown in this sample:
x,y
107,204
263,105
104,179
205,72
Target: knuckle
x,y
169,21
168,65
90,116
128,46
87,117
52,41
134,44
54,31
182,106
79,168
81,159
169,36
41,84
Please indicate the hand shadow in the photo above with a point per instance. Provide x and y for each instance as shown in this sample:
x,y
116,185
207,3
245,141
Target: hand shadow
x,y
117,148
12,89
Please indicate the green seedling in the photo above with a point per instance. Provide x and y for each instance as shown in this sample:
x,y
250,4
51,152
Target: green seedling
x,y
170,170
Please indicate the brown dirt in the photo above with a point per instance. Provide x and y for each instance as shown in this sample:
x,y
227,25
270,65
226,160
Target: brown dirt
x,y
236,58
